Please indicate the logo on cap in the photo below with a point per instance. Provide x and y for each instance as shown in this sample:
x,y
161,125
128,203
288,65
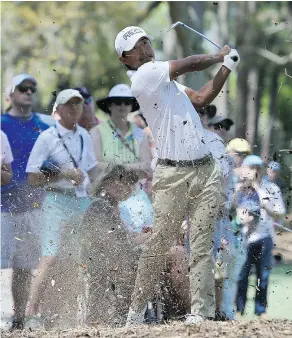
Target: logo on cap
x,y
131,32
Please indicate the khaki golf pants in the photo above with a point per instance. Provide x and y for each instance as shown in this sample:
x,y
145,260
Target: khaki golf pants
x,y
194,192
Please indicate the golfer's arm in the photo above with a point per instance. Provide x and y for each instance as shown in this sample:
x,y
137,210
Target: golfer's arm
x,y
208,93
193,63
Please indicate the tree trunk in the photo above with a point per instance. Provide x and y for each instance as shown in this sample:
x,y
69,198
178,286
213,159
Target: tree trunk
x,y
223,100
241,101
258,99
251,106
271,117
189,42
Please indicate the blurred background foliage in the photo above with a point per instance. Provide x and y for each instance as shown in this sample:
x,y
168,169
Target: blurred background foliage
x,y
65,44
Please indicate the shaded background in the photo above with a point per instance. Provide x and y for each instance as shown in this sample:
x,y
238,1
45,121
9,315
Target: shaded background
x,y
65,44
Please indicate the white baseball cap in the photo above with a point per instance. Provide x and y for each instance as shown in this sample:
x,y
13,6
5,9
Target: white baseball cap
x,y
63,97
128,37
17,80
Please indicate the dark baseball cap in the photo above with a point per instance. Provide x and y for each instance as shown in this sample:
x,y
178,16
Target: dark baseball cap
x,y
220,119
209,110
84,91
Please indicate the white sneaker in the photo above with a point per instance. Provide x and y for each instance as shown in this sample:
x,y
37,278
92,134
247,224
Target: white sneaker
x,y
135,318
194,319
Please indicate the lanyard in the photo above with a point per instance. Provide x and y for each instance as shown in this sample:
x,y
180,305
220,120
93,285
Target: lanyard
x,y
124,142
66,148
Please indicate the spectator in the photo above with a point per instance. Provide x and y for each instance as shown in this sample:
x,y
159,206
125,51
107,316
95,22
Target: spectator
x,y
247,216
237,149
63,158
6,176
220,125
273,175
102,229
260,236
214,140
88,119
6,160
47,119
21,212
216,129
115,141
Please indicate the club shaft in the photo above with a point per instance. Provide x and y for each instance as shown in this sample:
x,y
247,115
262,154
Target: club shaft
x,y
202,35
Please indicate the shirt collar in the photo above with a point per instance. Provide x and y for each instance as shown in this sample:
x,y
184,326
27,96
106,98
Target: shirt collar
x,y
63,131
130,73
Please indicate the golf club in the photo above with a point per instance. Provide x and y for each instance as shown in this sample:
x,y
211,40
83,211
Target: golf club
x,y
179,23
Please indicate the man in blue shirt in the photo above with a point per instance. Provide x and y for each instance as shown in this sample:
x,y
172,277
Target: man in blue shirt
x,y
21,204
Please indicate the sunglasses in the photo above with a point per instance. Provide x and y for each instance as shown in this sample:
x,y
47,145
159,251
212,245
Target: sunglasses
x,y
220,127
238,153
24,89
119,102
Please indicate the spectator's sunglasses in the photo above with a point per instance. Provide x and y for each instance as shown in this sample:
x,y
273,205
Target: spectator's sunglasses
x,y
243,154
122,100
221,126
24,89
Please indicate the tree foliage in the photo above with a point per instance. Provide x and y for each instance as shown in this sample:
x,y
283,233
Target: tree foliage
x,y
65,43
70,43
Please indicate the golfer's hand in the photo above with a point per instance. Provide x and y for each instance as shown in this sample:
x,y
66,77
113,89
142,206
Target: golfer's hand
x,y
231,60
76,176
224,51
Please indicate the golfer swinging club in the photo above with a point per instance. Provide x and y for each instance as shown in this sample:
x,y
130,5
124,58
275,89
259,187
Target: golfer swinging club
x,y
186,181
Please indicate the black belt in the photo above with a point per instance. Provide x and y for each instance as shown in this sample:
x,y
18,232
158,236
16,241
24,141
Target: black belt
x,y
193,163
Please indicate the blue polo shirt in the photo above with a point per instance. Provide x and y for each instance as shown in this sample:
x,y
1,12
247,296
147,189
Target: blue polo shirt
x,y
18,196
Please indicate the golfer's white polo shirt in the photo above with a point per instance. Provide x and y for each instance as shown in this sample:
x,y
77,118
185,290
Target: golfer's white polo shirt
x,y
49,146
175,124
217,148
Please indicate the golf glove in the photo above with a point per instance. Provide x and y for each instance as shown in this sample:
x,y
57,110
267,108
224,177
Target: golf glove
x,y
228,62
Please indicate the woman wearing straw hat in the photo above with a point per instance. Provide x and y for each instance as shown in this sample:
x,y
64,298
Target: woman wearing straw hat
x,y
116,140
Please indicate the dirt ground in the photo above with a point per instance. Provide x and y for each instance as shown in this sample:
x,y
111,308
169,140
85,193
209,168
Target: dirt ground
x,y
262,328
244,329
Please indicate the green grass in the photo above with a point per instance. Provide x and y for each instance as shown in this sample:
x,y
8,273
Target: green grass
x,y
279,295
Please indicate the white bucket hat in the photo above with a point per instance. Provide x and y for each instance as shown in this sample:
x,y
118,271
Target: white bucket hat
x,y
63,97
119,91
128,37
